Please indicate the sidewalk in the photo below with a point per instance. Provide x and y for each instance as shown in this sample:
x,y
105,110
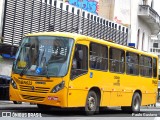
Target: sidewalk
x,y
152,106
158,104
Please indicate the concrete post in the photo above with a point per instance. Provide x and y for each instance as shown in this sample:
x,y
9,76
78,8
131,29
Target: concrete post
x,y
2,6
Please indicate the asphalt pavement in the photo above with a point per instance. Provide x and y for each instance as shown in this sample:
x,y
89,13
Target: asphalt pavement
x,y
26,111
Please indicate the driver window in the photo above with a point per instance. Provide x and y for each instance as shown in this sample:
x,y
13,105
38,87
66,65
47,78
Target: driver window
x,y
80,61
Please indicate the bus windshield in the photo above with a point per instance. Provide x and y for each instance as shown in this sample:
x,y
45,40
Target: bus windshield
x,y
43,55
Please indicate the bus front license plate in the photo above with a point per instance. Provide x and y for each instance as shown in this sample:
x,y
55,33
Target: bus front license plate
x,y
26,82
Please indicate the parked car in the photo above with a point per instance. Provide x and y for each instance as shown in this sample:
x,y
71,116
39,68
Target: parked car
x,y
158,96
4,88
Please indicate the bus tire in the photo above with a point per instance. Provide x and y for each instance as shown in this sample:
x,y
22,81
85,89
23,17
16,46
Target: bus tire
x,y
17,102
92,105
136,103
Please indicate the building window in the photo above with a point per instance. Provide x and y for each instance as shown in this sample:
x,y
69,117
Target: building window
x,y
152,4
98,56
143,38
116,60
151,50
155,45
138,34
145,2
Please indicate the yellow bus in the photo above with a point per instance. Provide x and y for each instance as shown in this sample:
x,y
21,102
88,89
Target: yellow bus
x,y
69,70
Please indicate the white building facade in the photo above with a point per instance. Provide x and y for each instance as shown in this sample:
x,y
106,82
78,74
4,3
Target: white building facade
x,y
145,22
154,46
141,18
148,23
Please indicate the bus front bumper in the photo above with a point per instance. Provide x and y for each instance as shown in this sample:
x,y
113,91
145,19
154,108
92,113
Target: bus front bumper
x,y
54,99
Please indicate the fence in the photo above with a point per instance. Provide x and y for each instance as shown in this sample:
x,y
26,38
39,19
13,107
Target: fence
x,y
26,16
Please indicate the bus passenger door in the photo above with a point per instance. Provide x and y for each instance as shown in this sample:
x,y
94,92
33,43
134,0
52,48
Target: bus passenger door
x,y
78,76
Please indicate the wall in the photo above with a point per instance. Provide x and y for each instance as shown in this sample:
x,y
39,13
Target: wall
x,y
122,12
1,15
106,9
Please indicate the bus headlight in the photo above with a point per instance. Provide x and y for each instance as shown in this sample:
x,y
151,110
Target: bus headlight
x,y
14,85
58,87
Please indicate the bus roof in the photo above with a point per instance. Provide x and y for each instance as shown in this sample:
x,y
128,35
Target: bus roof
x,y
82,37
64,34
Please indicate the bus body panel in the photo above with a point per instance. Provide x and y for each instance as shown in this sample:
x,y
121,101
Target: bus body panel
x,y
116,89
79,86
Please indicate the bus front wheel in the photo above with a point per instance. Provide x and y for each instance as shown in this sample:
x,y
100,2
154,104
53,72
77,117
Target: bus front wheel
x,y
91,103
17,102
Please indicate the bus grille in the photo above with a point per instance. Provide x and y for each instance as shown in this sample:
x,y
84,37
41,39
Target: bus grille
x,y
36,98
36,89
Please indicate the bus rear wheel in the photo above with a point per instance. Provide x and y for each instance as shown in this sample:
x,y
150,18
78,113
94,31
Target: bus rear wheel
x,y
135,106
91,106
136,102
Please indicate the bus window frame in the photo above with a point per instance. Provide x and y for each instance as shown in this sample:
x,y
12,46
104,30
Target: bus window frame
x,y
71,61
138,63
124,72
143,65
101,57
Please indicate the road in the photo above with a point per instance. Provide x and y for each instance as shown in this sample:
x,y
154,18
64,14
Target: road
x,y
27,111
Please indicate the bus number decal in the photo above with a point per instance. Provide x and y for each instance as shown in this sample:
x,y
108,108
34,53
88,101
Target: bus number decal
x,y
117,83
26,82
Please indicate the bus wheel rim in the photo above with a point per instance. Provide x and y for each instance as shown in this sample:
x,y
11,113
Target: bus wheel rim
x,y
136,104
91,103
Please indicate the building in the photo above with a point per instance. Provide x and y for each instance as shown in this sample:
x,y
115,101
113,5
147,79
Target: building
x,y
20,17
145,22
141,19
91,6
139,15
154,46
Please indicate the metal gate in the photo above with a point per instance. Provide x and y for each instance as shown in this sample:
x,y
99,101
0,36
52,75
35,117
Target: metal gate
x,y
26,16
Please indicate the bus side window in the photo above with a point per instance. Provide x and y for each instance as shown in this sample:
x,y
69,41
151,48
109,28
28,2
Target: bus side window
x,y
116,61
146,66
80,61
132,63
98,57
